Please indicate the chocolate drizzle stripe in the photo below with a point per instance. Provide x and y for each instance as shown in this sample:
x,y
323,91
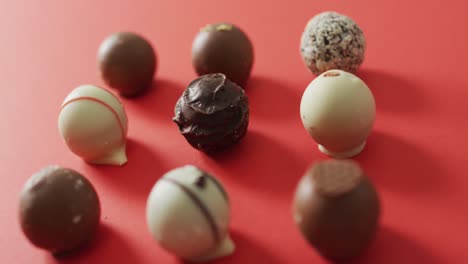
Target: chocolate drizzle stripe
x,y
106,105
218,185
203,209
113,96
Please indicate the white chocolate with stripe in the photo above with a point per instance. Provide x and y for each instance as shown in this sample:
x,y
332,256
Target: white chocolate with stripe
x,y
93,124
188,214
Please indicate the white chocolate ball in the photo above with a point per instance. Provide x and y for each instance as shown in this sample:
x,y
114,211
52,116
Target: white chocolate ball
x,y
338,111
187,212
93,124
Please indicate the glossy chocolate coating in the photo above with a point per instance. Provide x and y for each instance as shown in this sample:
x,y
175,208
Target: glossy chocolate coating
x,y
337,208
59,209
223,48
212,113
127,62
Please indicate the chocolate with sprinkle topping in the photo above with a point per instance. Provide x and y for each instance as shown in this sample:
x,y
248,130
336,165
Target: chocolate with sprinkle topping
x,y
332,41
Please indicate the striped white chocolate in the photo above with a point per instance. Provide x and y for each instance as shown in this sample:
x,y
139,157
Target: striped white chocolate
x,y
93,124
188,214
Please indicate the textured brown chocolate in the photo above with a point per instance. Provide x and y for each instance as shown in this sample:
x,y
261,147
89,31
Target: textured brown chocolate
x,y
223,48
59,209
127,63
337,208
212,113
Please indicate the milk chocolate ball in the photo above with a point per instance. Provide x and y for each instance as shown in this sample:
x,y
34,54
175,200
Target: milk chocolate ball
x,y
223,48
336,208
59,210
127,62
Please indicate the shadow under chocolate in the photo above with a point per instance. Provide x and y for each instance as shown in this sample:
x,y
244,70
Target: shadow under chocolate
x,y
108,246
394,93
158,102
271,100
390,247
261,163
138,176
400,166
249,251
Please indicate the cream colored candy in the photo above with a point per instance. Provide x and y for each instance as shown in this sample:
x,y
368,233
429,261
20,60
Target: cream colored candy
x,y
338,111
188,214
93,124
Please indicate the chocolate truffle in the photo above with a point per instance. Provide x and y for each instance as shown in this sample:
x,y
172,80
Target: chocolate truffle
x,y
127,62
188,214
336,208
223,48
59,209
93,124
338,111
332,41
212,113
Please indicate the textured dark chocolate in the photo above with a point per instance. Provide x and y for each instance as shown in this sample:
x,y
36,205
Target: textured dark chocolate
x,y
127,62
337,208
212,113
223,48
59,209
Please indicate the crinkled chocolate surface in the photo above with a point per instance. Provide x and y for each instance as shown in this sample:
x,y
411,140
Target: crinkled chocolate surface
x,y
212,113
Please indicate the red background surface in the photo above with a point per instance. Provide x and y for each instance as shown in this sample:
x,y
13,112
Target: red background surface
x,y
415,65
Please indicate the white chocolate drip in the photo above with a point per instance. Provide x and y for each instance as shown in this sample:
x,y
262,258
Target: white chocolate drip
x,y
343,154
225,248
93,123
117,157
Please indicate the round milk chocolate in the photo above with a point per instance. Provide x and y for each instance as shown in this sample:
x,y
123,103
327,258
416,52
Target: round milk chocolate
x,y
336,208
223,48
59,209
212,113
127,62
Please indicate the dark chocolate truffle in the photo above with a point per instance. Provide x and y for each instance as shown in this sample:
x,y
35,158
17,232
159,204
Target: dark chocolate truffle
x,y
127,63
223,48
212,113
332,41
337,208
59,209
